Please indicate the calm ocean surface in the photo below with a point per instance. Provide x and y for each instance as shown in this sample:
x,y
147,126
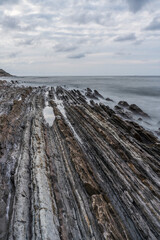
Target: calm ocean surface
x,y
143,91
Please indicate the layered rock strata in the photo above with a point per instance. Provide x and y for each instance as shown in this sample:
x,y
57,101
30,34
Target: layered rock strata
x,y
89,175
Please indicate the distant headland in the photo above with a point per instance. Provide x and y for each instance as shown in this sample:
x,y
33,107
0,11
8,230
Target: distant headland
x,y
4,73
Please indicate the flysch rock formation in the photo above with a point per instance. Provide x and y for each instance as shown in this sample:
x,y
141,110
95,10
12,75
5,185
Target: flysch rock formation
x,y
89,175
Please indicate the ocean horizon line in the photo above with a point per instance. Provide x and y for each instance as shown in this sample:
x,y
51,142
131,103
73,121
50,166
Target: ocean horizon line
x,y
44,76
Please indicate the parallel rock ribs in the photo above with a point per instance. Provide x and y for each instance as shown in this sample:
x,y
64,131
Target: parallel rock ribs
x,y
91,175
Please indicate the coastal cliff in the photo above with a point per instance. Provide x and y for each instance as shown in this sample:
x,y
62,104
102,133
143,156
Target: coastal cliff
x,y
89,175
4,74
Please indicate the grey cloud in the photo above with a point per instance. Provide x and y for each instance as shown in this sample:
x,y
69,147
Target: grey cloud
x,y
77,56
123,54
6,55
139,41
85,17
13,55
129,37
60,4
154,25
136,5
40,17
65,48
16,23
10,22
27,42
2,2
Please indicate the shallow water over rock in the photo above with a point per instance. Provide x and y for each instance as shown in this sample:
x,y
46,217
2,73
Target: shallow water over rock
x,y
49,115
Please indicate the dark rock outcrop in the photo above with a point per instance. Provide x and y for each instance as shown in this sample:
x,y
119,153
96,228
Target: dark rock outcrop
x,y
123,104
93,94
4,74
135,109
97,94
130,111
109,99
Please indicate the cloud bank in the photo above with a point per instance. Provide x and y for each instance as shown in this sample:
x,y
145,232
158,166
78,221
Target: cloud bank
x,y
37,33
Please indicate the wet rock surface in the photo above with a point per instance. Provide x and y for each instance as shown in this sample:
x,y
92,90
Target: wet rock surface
x,y
90,175
127,111
134,108
93,94
123,104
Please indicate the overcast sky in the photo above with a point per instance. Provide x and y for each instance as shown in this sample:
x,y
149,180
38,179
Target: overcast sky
x,y
80,37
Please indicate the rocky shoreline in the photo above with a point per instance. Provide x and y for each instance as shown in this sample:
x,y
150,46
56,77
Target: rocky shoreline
x,y
92,174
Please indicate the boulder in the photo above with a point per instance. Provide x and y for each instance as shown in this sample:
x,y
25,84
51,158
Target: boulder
x,y
135,109
97,94
123,104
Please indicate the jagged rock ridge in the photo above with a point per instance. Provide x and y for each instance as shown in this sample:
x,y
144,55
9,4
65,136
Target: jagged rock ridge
x,y
91,175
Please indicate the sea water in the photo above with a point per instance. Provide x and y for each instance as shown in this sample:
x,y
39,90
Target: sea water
x,y
143,91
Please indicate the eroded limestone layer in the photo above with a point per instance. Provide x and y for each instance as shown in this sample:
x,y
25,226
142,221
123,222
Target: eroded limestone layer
x,y
89,175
